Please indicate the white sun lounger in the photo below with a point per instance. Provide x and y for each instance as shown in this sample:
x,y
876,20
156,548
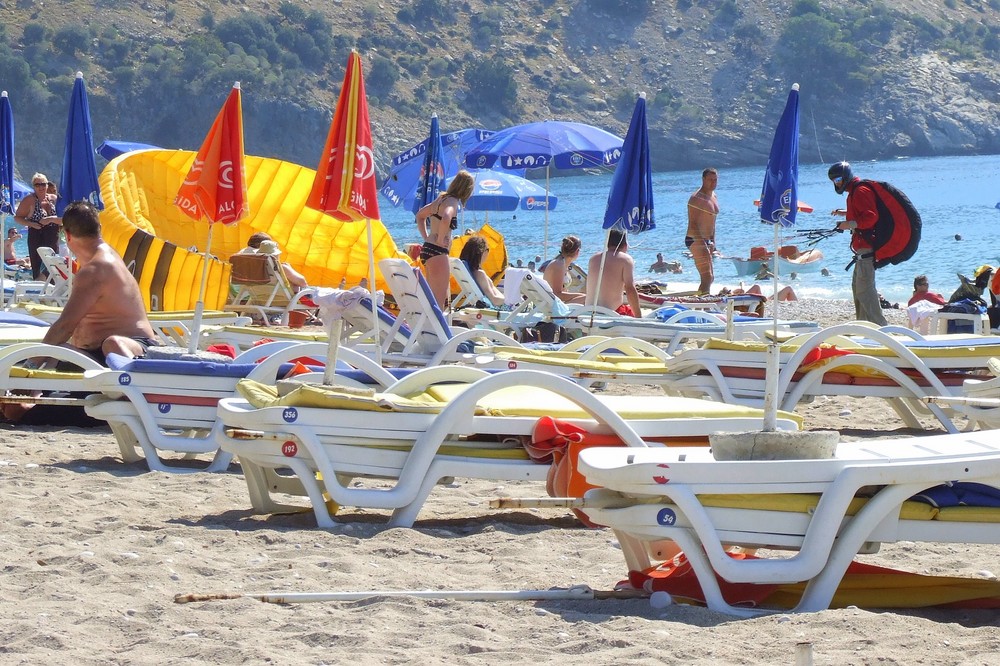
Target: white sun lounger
x,y
169,406
657,500
901,370
426,427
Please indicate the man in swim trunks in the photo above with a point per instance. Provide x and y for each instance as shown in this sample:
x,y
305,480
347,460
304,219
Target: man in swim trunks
x,y
105,312
703,209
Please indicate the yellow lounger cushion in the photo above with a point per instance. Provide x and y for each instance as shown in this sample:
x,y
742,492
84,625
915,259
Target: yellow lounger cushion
x,y
335,397
25,373
534,401
806,503
274,333
957,351
513,401
606,363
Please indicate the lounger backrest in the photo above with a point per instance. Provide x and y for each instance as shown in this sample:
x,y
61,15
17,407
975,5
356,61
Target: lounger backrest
x,y
469,291
418,308
259,280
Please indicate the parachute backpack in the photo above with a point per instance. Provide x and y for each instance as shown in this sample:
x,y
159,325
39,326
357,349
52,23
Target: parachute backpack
x,y
896,234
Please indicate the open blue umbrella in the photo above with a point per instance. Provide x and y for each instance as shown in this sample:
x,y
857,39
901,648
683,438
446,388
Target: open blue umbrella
x,y
778,205
431,181
630,201
110,149
546,144
400,186
562,144
505,191
79,169
779,196
6,155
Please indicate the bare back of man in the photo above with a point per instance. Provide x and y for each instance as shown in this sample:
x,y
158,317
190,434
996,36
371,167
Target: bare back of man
x,y
703,209
105,312
617,280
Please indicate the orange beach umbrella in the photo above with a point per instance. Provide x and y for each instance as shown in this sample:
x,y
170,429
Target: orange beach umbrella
x,y
215,187
345,186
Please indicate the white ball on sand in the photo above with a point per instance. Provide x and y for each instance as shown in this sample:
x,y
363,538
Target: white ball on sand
x,y
660,599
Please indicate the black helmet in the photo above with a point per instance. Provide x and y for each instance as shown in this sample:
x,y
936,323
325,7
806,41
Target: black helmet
x,y
841,171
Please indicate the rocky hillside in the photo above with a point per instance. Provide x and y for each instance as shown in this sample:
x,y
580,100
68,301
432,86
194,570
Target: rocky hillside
x,y
917,77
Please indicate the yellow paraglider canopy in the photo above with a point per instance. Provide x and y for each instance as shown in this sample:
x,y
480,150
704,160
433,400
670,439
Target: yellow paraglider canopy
x,y
160,244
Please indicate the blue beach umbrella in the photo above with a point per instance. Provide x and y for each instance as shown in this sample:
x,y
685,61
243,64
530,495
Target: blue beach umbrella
x,y
400,186
546,144
431,181
505,191
6,155
79,169
779,203
110,149
630,201
779,199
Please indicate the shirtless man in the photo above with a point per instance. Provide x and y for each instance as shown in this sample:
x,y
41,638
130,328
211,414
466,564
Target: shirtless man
x,y
703,208
105,312
617,278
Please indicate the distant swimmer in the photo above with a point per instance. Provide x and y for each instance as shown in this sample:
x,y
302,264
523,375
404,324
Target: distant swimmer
x,y
661,266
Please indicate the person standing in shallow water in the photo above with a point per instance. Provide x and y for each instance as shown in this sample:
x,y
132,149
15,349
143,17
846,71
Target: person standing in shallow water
x,y
703,209
37,211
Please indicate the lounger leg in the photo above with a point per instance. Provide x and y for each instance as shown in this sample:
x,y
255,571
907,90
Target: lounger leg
x,y
405,516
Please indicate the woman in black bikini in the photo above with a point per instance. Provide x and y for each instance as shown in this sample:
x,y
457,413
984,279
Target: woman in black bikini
x,y
37,211
441,216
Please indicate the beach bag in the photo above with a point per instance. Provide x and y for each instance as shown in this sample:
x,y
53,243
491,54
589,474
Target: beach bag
x,y
896,234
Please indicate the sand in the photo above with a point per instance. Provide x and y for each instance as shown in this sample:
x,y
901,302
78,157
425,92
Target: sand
x,y
93,551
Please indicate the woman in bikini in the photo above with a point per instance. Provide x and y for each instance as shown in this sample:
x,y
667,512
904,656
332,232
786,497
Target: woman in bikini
x,y
436,221
37,211
555,272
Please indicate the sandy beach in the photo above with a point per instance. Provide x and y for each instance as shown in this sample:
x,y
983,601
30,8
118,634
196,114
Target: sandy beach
x,y
94,551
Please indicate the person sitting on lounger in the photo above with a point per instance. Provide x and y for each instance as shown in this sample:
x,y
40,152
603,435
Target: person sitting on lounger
x,y
474,254
922,292
617,277
10,257
556,271
105,312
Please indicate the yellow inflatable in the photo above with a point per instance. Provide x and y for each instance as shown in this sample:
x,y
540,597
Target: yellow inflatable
x,y
161,244
496,261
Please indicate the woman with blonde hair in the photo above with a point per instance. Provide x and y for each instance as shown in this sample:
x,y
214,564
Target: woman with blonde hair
x,y
556,271
37,211
436,221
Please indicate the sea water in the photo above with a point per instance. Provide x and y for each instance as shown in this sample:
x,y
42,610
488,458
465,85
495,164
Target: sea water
x,y
954,195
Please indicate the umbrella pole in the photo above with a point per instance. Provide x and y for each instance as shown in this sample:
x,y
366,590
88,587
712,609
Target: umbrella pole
x,y
199,308
334,332
772,367
600,276
3,259
545,241
371,290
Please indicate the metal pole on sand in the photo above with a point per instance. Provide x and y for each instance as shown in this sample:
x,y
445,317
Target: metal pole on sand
x,y
199,308
579,592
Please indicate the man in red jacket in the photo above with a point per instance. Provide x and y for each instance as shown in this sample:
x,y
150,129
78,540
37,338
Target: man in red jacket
x,y
861,215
